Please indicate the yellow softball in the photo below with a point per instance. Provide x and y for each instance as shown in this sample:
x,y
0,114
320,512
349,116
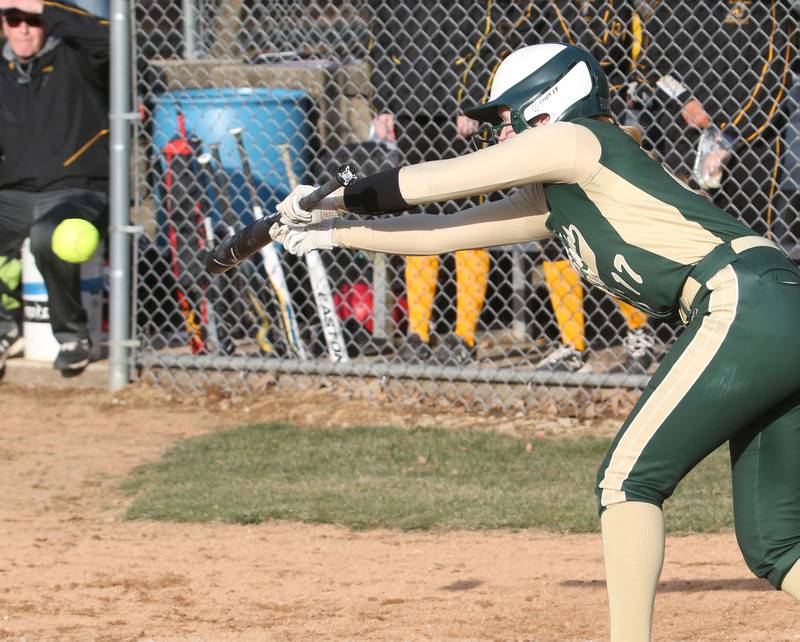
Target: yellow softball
x,y
75,240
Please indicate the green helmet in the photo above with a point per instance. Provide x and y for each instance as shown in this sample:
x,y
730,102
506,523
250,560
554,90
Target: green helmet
x,y
562,81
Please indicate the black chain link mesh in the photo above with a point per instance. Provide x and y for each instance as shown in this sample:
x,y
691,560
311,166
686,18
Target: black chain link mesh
x,y
312,84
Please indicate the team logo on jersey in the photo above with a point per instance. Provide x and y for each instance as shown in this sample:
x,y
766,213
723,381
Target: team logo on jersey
x,y
579,254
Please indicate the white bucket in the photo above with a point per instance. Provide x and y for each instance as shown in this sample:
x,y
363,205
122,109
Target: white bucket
x,y
40,344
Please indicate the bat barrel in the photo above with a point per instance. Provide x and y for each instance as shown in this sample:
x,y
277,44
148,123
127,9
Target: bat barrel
x,y
241,246
246,242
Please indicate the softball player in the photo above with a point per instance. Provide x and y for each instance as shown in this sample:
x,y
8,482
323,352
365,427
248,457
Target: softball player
x,y
630,228
427,126
612,32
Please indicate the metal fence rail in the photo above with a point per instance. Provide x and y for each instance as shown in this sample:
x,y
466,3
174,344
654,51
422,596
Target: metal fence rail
x,y
241,99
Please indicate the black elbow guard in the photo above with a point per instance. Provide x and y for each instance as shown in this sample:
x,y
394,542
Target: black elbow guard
x,y
376,194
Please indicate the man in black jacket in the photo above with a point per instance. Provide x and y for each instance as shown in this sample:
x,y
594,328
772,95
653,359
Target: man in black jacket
x,y
54,146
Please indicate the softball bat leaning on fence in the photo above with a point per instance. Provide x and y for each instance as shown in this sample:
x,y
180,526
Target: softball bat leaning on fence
x,y
320,286
247,241
272,262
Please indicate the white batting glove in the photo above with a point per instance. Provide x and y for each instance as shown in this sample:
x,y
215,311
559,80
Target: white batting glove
x,y
289,207
301,240
292,214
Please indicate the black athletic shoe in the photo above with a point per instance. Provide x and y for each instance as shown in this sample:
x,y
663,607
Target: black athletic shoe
x,y
73,356
454,351
414,350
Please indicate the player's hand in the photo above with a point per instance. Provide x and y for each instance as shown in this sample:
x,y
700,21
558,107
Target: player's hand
x,y
302,240
292,214
466,126
383,128
695,115
712,167
26,6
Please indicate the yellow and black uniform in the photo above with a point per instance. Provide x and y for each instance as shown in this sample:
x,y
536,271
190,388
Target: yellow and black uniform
x,y
414,71
611,31
735,58
628,227
54,143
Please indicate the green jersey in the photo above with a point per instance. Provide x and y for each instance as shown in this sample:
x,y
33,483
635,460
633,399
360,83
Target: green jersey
x,y
632,228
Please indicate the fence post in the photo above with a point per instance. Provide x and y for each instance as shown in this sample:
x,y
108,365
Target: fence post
x,y
119,196
189,30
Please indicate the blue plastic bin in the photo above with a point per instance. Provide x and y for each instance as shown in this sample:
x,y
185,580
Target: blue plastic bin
x,y
268,118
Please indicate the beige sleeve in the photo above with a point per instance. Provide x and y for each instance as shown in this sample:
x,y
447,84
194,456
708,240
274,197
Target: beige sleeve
x,y
560,153
517,218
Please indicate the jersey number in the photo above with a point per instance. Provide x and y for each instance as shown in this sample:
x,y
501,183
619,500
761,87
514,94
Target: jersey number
x,y
583,259
620,266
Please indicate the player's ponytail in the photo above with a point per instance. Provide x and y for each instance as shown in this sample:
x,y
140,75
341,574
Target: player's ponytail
x,y
633,132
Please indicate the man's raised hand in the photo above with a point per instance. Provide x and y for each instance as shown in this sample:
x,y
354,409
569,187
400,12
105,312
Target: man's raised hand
x,y
26,6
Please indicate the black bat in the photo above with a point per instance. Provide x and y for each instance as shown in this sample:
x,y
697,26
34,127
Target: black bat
x,y
220,181
235,249
272,262
240,282
213,307
250,183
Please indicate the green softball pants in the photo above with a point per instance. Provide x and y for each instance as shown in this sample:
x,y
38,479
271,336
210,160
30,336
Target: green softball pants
x,y
733,375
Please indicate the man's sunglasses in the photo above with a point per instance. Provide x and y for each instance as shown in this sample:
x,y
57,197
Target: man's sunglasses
x,y
15,19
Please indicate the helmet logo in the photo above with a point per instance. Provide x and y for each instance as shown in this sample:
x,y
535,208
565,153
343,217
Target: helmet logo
x,y
539,106
547,96
575,85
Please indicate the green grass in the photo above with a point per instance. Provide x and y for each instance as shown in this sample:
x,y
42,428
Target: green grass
x,y
377,477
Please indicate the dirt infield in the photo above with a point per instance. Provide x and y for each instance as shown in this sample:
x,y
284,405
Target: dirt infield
x,y
71,569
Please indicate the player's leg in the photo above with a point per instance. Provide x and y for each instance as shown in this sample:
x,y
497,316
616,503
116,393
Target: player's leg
x,y
766,475
638,340
421,274
633,554
68,317
748,183
472,276
566,299
791,582
766,496
631,521
16,215
718,379
425,137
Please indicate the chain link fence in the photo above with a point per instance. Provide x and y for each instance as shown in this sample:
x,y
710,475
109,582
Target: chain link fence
x,y
242,99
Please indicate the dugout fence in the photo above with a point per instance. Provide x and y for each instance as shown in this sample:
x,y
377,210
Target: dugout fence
x,y
238,100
